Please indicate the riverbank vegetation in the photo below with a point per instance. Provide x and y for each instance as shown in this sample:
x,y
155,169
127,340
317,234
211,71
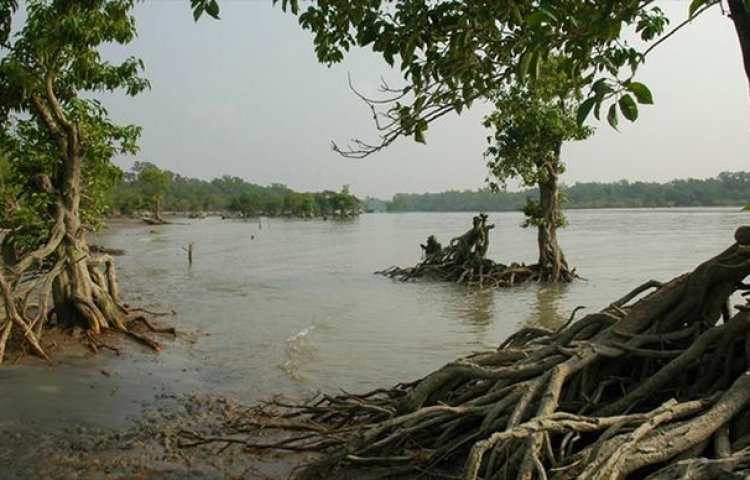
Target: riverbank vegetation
x,y
58,143
726,189
656,385
228,195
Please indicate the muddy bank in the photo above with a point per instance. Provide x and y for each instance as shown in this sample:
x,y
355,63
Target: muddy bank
x,y
147,449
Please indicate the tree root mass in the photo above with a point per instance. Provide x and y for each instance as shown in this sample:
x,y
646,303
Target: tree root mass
x,y
47,288
655,386
463,261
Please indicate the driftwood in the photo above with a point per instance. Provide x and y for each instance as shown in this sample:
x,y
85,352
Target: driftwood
x,y
656,386
154,221
102,250
464,261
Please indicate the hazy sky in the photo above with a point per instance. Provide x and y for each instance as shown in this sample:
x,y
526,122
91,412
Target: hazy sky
x,y
245,96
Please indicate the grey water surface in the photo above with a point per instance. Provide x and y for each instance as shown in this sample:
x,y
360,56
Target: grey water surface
x,y
292,306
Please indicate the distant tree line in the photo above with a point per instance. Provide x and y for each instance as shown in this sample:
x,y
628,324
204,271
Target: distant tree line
x,y
147,188
726,189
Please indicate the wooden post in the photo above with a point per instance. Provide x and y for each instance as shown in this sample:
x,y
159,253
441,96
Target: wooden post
x,y
189,250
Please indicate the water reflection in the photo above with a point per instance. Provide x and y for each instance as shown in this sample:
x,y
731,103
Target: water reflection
x,y
546,311
477,311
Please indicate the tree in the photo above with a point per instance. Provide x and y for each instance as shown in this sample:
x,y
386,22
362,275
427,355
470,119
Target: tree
x,y
248,204
453,53
530,125
153,183
6,198
60,142
656,385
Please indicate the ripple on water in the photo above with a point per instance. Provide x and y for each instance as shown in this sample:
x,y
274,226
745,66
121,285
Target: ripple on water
x,y
299,350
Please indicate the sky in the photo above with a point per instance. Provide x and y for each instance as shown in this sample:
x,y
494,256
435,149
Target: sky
x,y
245,96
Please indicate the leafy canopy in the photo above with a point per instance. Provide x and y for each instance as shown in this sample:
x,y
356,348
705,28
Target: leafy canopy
x,y
153,181
50,73
530,124
453,52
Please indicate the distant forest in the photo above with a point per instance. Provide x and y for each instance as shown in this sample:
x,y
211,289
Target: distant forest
x,y
135,193
235,195
727,189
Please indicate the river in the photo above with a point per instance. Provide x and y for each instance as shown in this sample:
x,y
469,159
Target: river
x,y
277,306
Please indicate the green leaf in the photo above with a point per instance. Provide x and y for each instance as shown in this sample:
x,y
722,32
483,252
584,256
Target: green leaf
x,y
536,64
695,5
747,6
628,107
549,13
212,8
419,130
601,87
536,18
584,109
523,65
612,116
641,92
198,11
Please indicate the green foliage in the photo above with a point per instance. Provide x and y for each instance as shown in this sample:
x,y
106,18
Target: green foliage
x,y
398,204
210,7
7,8
530,124
453,52
372,205
50,73
534,215
153,183
224,194
248,204
727,189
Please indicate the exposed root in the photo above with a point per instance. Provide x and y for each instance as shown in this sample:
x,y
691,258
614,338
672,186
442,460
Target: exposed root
x,y
463,261
655,385
78,289
151,326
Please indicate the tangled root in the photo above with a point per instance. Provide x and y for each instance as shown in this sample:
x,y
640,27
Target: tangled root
x,y
656,385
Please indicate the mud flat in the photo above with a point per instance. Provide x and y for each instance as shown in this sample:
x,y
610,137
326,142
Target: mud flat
x,y
144,450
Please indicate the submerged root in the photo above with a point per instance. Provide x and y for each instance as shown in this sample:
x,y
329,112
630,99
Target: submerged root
x,y
463,261
656,385
474,272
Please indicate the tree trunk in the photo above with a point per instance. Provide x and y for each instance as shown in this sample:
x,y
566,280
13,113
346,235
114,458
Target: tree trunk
x,y
78,298
741,19
82,288
157,210
552,264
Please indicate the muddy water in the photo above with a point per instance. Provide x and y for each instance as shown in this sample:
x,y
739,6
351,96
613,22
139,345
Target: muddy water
x,y
292,306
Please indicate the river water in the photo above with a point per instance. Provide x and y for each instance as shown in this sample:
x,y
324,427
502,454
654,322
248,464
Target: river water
x,y
292,306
